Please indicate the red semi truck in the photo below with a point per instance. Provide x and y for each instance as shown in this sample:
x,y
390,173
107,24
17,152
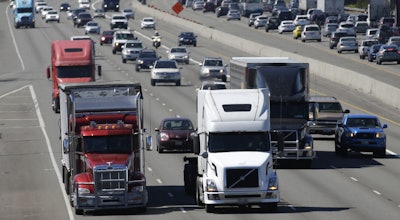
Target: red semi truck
x,y
72,61
103,145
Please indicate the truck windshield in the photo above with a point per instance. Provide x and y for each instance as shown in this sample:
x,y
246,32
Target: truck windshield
x,y
238,141
121,144
74,71
24,10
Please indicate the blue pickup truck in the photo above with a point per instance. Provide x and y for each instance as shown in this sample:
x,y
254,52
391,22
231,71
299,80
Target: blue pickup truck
x,y
360,133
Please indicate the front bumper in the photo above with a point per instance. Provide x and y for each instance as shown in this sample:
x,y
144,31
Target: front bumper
x,y
247,197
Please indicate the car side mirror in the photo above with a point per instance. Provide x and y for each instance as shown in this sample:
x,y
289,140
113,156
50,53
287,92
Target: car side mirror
x,y
156,129
385,126
346,111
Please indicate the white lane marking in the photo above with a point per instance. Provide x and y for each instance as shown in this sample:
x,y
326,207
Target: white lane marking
x,y
354,179
292,207
149,169
159,181
171,195
377,192
392,153
50,149
14,41
182,210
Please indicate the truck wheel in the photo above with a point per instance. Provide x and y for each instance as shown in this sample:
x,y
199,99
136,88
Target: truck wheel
x,y
153,83
123,60
137,68
223,78
379,154
199,196
178,83
66,180
78,211
210,208
189,179
56,105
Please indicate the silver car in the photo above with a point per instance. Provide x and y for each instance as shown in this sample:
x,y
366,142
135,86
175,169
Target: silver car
x,y
99,13
179,54
364,46
329,28
233,14
129,14
347,44
131,50
213,67
348,27
260,21
92,27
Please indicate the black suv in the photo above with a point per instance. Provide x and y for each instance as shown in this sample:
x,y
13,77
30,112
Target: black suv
x,y
272,23
145,59
335,36
82,19
187,38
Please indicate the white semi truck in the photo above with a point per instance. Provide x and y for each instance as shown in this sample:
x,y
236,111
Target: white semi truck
x,y
234,165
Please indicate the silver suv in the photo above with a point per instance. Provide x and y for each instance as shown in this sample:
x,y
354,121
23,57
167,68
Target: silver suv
x,y
131,50
120,38
324,114
213,67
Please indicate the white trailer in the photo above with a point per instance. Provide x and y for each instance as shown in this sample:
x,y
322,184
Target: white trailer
x,y
331,7
234,165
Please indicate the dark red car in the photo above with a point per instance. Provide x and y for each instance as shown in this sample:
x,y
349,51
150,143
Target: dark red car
x,y
175,134
106,37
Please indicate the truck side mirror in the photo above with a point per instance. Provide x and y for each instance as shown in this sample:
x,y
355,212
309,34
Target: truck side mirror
x,y
48,73
65,146
196,144
99,70
346,111
149,141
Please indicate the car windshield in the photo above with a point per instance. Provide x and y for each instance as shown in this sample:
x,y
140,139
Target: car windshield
x,y
119,17
108,144
148,20
213,63
166,65
187,34
148,55
128,10
344,39
238,141
134,45
52,12
347,25
84,15
330,107
362,122
125,36
177,125
370,43
92,24
178,50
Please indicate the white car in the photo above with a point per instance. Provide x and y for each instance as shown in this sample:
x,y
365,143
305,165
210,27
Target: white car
x,y
301,20
213,67
92,27
84,4
52,16
45,10
179,54
348,27
166,71
311,32
39,6
148,22
118,21
286,26
129,13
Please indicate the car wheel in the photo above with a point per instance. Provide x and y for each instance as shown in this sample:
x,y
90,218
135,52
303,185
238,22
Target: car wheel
x,y
195,44
339,51
378,62
137,68
362,57
370,60
223,78
331,47
123,60
303,40
256,27
114,51
266,29
101,43
178,83
159,149
187,61
355,51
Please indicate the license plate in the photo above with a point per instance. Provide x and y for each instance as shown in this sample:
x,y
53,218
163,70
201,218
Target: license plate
x,y
178,143
364,142
242,201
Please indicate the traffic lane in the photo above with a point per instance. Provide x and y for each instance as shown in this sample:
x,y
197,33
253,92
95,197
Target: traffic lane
x,y
276,40
30,184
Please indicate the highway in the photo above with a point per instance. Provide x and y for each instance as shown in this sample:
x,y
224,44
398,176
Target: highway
x,y
357,187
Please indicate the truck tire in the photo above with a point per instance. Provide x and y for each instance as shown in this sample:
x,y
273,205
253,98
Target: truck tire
x,y
66,180
78,211
56,105
223,78
178,83
153,83
189,179
210,208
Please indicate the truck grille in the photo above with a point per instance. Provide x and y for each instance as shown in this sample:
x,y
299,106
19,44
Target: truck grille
x,y
242,178
290,138
365,135
110,179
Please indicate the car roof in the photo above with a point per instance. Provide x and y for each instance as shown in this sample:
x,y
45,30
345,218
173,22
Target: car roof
x,y
360,116
323,99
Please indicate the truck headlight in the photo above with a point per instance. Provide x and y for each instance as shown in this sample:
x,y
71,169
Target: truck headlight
x,y
140,61
273,183
211,186
350,134
82,191
380,135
